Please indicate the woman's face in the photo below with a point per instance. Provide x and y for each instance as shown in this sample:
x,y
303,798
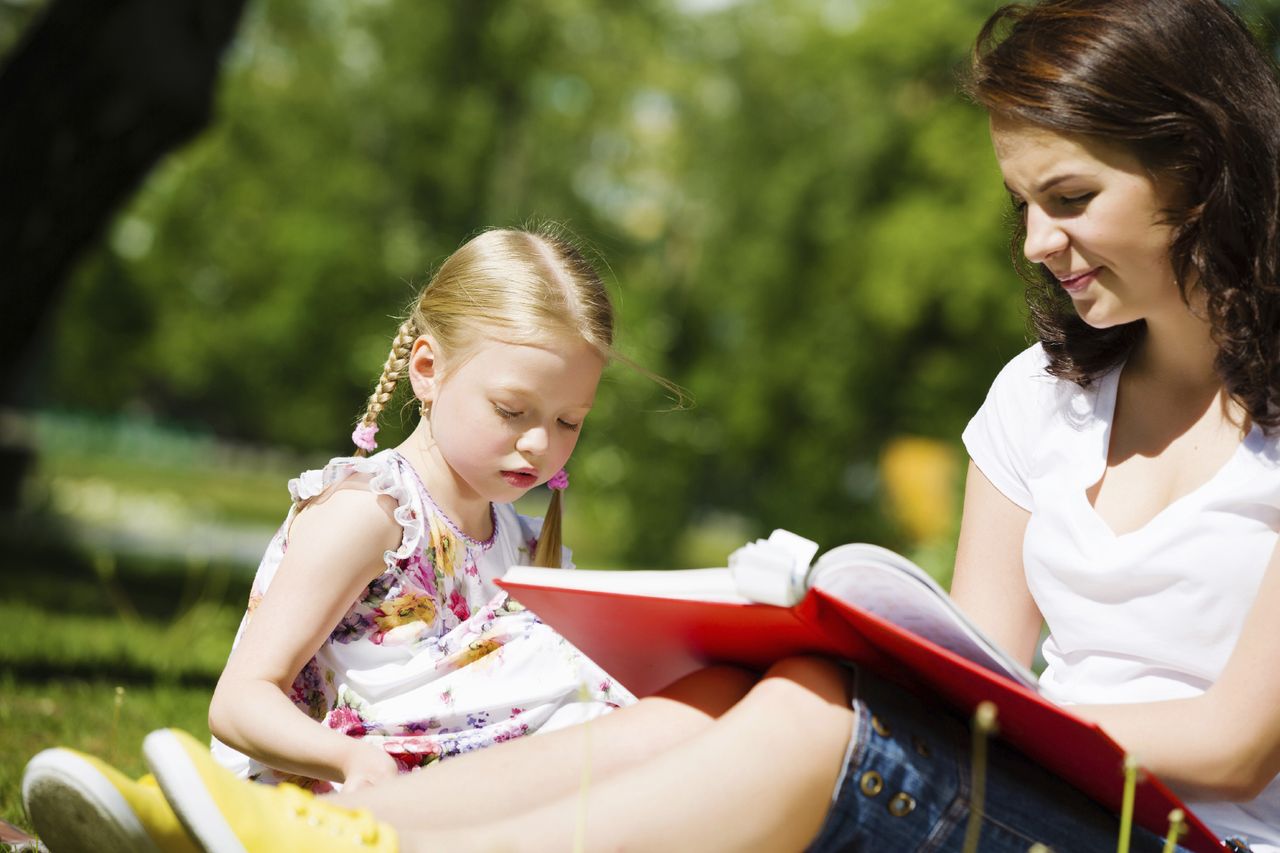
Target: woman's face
x,y
1093,220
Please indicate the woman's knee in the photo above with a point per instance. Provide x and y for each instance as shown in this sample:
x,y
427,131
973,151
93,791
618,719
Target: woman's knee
x,y
712,690
820,677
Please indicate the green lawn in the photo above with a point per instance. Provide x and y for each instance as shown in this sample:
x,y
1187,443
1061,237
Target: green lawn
x,y
96,663
84,714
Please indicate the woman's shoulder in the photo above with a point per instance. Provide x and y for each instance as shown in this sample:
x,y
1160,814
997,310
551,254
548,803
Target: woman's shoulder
x,y
1025,389
1028,370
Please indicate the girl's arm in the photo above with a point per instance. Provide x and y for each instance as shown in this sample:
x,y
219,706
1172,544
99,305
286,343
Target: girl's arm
x,y
335,550
989,584
1225,743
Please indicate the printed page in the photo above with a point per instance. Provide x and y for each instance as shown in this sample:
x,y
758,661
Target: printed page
x,y
894,588
697,584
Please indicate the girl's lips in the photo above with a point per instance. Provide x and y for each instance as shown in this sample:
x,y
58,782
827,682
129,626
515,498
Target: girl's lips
x,y
520,479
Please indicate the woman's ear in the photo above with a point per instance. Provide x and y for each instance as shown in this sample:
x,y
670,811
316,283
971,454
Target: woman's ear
x,y
424,368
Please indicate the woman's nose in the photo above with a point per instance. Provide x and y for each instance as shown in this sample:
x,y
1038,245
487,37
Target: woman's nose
x,y
1045,236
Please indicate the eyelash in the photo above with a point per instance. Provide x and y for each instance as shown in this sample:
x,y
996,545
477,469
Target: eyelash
x,y
1020,206
507,415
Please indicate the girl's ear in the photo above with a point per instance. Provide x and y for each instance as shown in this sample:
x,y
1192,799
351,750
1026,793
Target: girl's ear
x,y
424,368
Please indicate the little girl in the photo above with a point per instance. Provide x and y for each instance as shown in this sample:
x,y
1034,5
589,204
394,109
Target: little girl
x,y
375,640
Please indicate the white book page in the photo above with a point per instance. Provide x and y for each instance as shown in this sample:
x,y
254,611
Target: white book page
x,y
699,584
896,589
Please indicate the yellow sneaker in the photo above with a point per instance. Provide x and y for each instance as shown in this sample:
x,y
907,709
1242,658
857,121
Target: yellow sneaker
x,y
78,803
226,814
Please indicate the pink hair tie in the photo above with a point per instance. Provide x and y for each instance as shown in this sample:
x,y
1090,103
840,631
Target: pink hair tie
x,y
363,436
559,482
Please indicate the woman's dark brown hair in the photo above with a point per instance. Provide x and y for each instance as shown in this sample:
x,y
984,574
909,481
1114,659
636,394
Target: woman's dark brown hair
x,y
1182,85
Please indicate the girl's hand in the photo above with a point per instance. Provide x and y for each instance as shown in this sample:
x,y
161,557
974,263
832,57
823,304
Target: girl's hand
x,y
367,765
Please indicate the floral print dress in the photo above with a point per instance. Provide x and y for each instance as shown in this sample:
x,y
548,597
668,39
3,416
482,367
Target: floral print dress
x,y
433,660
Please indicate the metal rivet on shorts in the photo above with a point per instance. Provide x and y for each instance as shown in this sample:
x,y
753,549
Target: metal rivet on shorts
x,y
879,726
872,783
902,805
920,746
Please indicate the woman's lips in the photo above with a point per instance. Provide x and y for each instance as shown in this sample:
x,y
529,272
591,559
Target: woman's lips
x,y
1078,282
520,479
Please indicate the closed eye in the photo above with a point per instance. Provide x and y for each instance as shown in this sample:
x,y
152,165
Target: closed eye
x,y
506,414
569,426
1075,200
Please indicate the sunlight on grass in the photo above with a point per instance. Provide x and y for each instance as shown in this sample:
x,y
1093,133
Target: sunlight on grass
x,y
83,715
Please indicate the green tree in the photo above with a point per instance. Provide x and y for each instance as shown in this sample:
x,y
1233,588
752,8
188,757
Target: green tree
x,y
803,220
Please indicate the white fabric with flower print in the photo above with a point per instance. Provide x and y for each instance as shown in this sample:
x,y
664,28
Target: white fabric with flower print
x,y
433,660
1137,617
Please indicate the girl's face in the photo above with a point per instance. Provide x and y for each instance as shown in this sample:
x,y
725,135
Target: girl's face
x,y
1093,220
506,418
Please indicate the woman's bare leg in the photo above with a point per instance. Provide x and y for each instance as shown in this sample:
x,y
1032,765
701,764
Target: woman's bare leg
x,y
759,778
520,774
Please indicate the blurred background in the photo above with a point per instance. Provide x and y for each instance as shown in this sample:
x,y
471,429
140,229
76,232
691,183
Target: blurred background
x,y
802,222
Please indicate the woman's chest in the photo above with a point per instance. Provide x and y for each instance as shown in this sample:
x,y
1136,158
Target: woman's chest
x,y
1144,475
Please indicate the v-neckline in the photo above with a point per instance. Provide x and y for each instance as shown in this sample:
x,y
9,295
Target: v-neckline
x,y
1105,411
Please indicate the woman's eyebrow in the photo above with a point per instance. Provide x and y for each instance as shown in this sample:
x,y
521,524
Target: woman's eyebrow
x,y
1047,184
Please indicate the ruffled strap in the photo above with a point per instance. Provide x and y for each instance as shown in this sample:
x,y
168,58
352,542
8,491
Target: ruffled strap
x,y
386,477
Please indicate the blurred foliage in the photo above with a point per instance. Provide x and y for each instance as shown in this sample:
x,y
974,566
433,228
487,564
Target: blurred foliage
x,y
802,218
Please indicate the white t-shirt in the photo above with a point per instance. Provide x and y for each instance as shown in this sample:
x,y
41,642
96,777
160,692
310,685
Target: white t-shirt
x,y
1148,615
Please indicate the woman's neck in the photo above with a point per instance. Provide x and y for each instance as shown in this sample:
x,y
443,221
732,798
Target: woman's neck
x,y
469,511
1178,352
1174,362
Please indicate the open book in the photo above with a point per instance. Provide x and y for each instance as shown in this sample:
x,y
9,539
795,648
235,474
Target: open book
x,y
777,571
859,603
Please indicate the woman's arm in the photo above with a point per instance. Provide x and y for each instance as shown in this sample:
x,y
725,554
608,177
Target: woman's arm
x,y
335,550
989,584
1225,743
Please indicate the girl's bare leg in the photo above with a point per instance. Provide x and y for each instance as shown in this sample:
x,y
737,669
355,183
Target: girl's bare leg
x,y
520,774
759,778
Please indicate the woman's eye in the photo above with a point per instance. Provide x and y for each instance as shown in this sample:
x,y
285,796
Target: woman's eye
x,y
505,414
1075,200
569,426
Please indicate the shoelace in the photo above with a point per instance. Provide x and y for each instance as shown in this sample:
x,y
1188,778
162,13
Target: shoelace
x,y
359,825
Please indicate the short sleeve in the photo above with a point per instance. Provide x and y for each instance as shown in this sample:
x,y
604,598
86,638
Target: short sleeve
x,y
1001,436
384,477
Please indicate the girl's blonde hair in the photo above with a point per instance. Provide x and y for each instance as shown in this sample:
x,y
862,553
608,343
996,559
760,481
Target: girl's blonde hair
x,y
510,284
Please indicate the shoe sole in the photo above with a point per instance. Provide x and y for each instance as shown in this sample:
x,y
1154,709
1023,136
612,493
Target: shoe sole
x,y
75,808
186,792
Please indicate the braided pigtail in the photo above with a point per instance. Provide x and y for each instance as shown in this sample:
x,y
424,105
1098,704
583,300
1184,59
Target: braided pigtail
x,y
392,372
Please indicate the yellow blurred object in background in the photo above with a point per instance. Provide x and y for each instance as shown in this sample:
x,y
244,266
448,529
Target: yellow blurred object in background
x,y
919,479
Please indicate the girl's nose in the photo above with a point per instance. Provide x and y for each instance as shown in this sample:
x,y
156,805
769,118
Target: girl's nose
x,y
1045,236
533,441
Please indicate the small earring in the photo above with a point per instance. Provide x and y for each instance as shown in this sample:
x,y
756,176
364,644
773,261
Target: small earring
x,y
424,410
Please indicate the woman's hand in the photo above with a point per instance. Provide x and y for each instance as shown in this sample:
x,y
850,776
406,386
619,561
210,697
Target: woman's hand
x,y
367,765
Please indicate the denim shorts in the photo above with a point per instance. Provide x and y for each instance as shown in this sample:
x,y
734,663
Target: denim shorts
x,y
906,787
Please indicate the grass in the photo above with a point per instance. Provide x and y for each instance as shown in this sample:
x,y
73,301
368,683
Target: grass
x,y
96,662
83,714
229,494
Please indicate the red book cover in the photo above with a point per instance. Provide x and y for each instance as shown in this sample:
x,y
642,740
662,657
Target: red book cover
x,y
646,642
